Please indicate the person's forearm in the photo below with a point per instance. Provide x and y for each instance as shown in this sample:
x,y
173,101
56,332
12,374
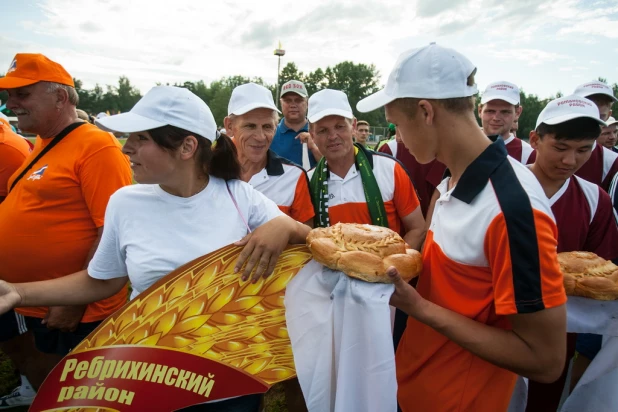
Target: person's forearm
x,y
500,347
316,153
297,231
71,290
415,238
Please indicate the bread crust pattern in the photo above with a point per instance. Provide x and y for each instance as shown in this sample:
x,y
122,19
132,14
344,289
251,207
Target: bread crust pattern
x,y
364,252
588,275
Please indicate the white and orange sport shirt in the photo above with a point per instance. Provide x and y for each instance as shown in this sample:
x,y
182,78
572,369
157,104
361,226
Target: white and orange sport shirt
x,y
347,202
490,252
287,185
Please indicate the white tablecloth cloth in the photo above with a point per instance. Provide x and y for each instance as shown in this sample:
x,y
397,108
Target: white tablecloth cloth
x,y
341,337
597,391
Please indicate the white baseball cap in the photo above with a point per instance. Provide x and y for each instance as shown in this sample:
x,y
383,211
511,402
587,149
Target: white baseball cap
x,y
250,96
430,72
611,121
501,91
568,108
329,102
594,87
165,106
102,115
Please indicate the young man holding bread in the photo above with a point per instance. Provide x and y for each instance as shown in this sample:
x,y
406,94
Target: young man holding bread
x,y
563,139
351,184
490,302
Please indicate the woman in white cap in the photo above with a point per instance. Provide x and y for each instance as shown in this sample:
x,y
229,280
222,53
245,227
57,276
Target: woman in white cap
x,y
189,203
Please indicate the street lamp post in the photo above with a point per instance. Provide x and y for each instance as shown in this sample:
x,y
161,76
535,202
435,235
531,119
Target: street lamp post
x,y
278,52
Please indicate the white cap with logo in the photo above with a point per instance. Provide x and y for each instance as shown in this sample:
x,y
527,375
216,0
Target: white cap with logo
x,y
329,102
501,91
595,87
568,108
165,106
430,72
250,96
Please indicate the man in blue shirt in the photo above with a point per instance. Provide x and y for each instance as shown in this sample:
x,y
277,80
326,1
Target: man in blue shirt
x,y
292,131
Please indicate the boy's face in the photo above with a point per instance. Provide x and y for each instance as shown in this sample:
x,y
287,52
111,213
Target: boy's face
x,y
560,158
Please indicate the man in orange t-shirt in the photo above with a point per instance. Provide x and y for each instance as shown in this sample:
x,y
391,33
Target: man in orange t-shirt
x,y
52,218
490,303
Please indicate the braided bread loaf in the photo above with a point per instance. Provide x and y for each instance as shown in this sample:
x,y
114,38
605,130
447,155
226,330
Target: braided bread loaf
x,y
588,275
364,251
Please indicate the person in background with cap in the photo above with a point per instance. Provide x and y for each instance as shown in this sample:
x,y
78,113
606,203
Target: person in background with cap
x,y
563,139
603,163
252,119
498,110
351,184
54,211
490,303
189,203
292,140
609,135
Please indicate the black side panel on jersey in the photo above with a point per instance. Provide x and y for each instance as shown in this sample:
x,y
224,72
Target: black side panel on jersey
x,y
523,244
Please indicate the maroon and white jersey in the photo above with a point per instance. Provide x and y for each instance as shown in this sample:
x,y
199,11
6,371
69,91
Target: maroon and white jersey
x,y
424,177
520,150
585,219
601,167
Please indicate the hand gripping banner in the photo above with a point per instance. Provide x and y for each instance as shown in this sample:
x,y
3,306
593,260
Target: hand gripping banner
x,y
197,335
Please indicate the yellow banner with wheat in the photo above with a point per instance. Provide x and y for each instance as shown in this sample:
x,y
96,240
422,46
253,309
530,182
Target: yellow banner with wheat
x,y
197,335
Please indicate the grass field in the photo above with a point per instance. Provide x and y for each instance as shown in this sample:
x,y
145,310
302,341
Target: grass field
x,y
274,400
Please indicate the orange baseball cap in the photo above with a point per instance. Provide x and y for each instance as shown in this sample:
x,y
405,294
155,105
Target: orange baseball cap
x,y
27,69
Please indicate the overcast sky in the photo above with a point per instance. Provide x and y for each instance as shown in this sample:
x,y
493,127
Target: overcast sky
x,y
543,46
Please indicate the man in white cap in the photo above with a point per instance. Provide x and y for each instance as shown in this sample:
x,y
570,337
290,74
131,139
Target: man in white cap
x,y
490,303
601,94
351,184
252,120
603,163
292,140
609,135
563,139
498,110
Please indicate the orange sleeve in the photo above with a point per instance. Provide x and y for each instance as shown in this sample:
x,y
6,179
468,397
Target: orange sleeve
x,y
101,174
302,208
10,160
405,198
524,264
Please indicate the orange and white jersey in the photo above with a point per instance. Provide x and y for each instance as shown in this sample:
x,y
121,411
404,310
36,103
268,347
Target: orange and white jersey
x,y
287,185
346,196
490,252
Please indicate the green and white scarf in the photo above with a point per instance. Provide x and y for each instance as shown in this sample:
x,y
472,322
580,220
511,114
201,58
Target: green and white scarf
x,y
373,196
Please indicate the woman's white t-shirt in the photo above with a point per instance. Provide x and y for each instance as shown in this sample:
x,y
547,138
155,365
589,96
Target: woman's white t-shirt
x,y
148,232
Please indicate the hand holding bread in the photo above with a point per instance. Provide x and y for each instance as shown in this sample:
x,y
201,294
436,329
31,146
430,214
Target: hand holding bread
x,y
364,252
588,275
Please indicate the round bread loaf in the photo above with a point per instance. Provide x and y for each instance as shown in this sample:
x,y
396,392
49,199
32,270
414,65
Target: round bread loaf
x,y
588,275
364,251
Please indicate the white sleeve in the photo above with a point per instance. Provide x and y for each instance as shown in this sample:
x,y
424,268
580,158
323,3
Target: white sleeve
x,y
261,209
109,260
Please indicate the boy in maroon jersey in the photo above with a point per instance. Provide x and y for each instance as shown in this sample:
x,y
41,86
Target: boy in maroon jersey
x,y
564,139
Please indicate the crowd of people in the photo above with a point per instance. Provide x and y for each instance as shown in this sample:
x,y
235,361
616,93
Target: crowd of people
x,y
489,211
